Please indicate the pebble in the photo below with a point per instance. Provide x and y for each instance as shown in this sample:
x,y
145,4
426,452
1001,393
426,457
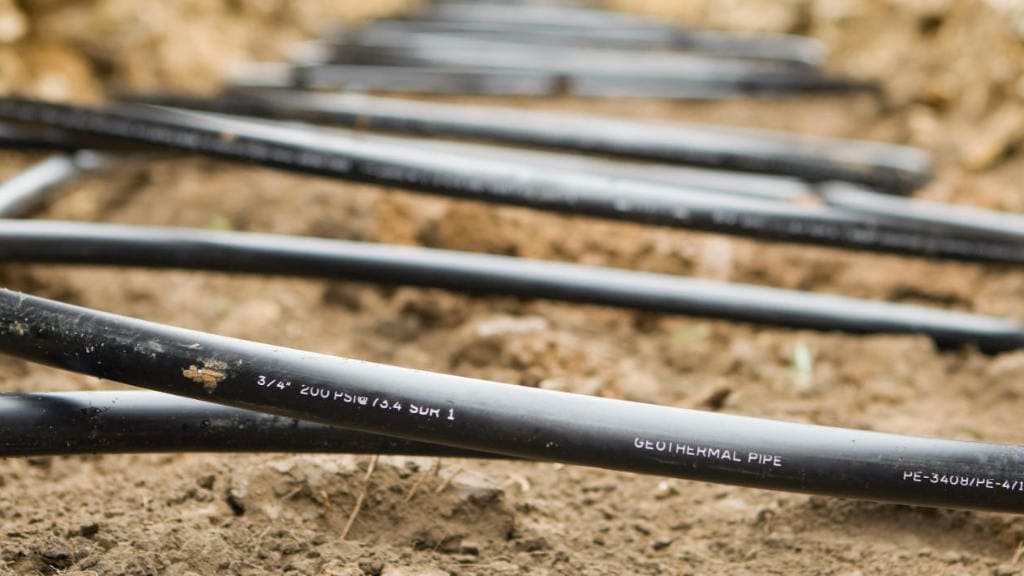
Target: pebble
x,y
665,489
476,488
661,544
89,530
1006,570
334,569
206,482
1000,131
503,325
412,571
13,23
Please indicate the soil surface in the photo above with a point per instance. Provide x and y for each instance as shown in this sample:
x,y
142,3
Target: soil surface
x,y
952,70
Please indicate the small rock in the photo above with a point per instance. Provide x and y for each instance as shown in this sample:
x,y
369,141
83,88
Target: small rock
x,y
89,530
923,8
924,126
476,489
500,567
952,557
661,544
371,567
44,462
13,24
835,11
532,544
1013,12
335,569
503,325
1000,131
450,544
755,15
764,515
236,503
715,398
344,295
665,489
57,556
1006,570
412,571
716,259
284,466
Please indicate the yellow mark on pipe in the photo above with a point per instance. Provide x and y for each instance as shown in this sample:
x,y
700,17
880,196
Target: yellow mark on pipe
x,y
210,375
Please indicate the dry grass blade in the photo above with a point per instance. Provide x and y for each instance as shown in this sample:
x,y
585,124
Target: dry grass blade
x,y
360,498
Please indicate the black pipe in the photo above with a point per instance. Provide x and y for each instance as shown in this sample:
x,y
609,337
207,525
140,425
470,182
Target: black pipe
x,y
393,72
31,185
705,85
750,185
305,149
606,28
514,420
412,78
443,80
405,79
796,50
81,243
764,186
586,52
888,167
662,73
36,138
384,46
26,190
63,423
945,218
539,14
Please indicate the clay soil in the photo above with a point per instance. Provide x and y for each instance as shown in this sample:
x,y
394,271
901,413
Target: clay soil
x,y
952,72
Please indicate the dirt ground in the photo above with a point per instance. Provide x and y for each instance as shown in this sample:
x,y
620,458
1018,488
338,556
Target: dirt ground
x,y
952,69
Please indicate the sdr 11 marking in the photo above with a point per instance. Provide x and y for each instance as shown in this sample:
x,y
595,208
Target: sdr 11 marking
x,y
376,402
413,409
431,412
